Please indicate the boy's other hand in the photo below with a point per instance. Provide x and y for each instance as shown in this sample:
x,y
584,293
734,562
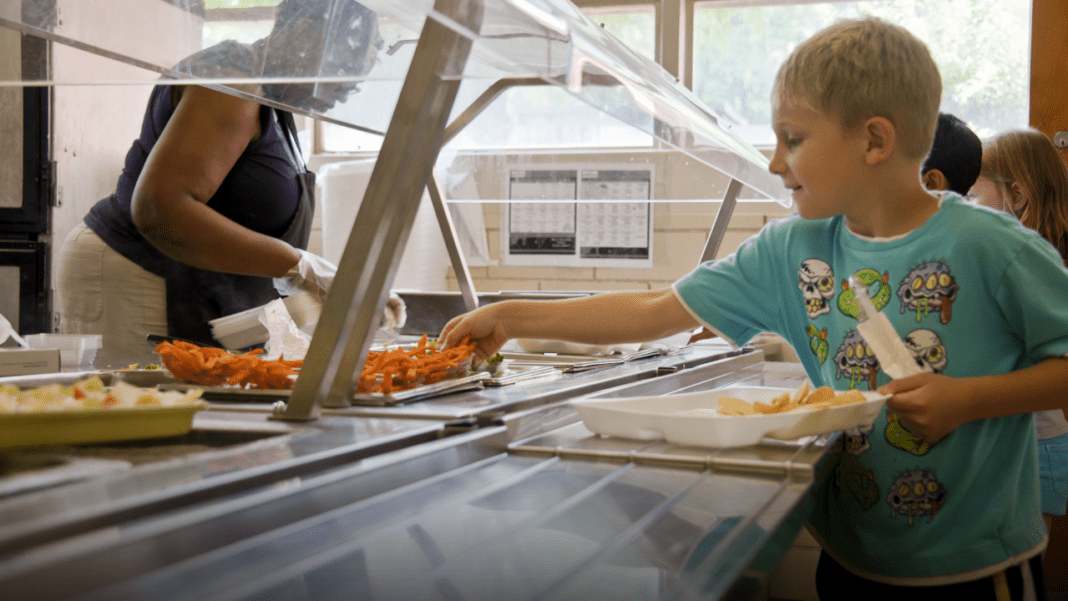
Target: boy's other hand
x,y
482,326
930,406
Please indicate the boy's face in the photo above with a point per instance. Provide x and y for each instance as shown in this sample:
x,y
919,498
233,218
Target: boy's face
x,y
817,159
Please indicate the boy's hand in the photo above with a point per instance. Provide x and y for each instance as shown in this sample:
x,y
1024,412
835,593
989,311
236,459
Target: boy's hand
x,y
930,406
482,326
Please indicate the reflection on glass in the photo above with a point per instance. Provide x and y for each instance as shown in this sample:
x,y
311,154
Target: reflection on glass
x,y
333,41
635,26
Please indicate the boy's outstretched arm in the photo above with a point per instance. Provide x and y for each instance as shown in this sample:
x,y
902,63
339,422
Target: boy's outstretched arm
x,y
932,405
612,318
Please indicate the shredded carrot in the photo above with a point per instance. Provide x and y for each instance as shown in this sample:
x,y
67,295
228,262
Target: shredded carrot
x,y
209,366
398,369
387,371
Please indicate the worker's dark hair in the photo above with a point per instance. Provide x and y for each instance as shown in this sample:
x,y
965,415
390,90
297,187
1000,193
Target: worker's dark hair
x,y
353,28
957,152
337,11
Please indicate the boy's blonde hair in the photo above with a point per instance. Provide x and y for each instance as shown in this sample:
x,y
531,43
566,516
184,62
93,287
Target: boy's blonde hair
x,y
864,68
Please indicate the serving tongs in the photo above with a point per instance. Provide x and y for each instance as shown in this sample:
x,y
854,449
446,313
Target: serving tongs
x,y
613,360
894,357
511,376
420,393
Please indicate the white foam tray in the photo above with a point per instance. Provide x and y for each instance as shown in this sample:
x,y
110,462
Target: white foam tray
x,y
663,417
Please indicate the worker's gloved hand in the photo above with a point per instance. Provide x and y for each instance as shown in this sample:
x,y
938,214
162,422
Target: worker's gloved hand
x,y
395,314
312,273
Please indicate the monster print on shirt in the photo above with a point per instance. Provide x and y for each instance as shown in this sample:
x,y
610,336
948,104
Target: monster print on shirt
x,y
817,341
929,287
847,300
850,474
815,280
856,360
928,350
915,494
898,436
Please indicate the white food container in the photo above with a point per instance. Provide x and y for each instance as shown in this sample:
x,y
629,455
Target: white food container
x,y
665,417
75,350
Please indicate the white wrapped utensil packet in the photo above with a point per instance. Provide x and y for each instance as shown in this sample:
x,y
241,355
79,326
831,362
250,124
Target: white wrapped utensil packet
x,y
894,357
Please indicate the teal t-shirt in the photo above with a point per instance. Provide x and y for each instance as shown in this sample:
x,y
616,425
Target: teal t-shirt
x,y
972,292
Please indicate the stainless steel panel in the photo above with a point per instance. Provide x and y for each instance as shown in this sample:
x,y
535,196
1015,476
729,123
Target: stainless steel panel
x,y
503,528
185,472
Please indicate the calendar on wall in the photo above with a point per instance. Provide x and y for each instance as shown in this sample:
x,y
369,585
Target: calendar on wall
x,y
581,216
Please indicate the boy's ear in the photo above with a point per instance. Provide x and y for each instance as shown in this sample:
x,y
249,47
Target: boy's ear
x,y
881,138
935,180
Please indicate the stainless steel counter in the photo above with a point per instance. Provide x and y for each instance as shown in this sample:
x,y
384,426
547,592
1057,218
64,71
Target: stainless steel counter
x,y
225,454
519,503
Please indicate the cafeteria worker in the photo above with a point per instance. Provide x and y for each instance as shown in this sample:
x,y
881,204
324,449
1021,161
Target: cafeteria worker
x,y
213,209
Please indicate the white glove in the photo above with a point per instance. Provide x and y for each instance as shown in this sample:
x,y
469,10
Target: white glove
x,y
312,273
395,314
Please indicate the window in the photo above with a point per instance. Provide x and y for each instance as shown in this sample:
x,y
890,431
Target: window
x,y
737,52
633,25
243,20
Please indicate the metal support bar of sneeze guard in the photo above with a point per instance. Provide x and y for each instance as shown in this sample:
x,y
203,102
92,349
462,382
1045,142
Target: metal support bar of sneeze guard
x,y
369,262
448,230
452,245
723,217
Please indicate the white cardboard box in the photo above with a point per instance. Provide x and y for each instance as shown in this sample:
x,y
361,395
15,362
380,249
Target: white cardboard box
x,y
28,361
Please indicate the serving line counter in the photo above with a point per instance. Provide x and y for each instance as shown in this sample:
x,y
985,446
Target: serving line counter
x,y
50,492
524,505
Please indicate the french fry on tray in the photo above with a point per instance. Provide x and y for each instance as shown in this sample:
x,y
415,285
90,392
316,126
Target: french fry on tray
x,y
820,398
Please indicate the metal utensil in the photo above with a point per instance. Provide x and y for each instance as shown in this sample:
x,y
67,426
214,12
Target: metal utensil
x,y
614,360
511,376
420,393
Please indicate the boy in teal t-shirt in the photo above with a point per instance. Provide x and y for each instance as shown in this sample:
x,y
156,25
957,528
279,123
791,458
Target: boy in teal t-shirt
x,y
940,496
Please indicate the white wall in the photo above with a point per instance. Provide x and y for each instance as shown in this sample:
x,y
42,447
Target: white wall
x,y
680,229
94,125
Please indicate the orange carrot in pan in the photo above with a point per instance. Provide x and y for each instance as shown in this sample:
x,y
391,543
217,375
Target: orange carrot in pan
x,y
386,371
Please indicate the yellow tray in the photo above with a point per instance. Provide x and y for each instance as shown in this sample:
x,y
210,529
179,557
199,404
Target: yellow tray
x,y
94,425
